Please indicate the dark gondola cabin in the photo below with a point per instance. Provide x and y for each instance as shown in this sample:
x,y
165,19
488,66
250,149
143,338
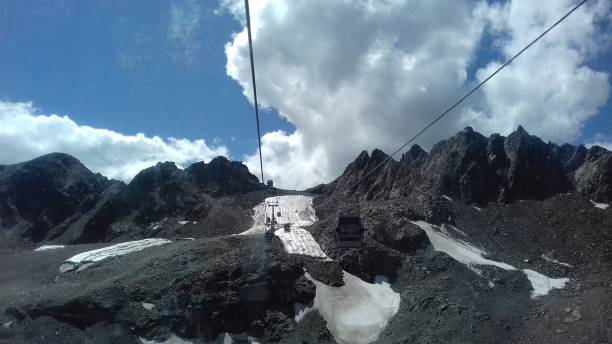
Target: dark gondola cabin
x,y
349,231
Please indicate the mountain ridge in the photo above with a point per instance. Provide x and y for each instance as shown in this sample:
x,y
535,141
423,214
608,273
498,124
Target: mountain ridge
x,y
476,169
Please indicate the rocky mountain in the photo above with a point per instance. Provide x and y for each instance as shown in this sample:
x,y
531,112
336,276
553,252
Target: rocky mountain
x,y
492,240
56,199
163,200
42,197
475,169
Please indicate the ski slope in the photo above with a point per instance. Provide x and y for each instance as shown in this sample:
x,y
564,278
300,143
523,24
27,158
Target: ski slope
x,y
472,256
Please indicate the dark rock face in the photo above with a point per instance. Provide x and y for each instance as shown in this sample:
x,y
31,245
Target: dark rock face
x,y
594,177
535,171
393,230
165,191
222,177
326,271
40,198
474,169
459,166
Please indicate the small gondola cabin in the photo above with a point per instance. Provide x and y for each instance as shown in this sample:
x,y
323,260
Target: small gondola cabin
x,y
349,231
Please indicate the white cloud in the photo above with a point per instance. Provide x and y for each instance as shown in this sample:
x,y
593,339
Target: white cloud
x,y
25,134
288,162
354,75
550,89
600,139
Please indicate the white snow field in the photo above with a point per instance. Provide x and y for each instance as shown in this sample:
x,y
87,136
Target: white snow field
x,y
82,260
48,247
472,256
356,312
602,206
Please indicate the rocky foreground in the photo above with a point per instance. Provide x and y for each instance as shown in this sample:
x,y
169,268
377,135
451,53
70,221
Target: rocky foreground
x,y
514,201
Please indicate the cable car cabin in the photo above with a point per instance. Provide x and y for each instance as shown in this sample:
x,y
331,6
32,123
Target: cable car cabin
x,y
349,231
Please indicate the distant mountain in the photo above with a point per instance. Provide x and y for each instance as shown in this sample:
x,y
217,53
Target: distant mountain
x,y
165,200
55,198
475,169
41,198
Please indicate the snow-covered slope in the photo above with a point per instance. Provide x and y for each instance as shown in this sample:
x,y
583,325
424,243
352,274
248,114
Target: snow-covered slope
x,y
472,256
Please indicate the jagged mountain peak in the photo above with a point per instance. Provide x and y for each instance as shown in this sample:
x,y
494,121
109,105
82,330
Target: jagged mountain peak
x,y
477,169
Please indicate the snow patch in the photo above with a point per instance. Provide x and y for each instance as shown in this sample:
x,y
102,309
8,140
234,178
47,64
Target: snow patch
x,y
458,231
471,256
447,198
48,247
548,259
183,222
83,260
477,208
358,311
543,284
148,306
154,226
602,206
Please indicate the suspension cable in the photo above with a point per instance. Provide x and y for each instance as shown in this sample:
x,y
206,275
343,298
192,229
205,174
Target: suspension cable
x,y
248,20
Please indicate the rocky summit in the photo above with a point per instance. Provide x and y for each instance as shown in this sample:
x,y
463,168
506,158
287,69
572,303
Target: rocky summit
x,y
480,240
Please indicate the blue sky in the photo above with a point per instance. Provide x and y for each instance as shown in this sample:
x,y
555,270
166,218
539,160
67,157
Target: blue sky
x,y
349,76
73,58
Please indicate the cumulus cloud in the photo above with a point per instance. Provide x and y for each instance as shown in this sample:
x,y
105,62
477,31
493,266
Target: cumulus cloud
x,y
25,134
550,89
287,161
354,75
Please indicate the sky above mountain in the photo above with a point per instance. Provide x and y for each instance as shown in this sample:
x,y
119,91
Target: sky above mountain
x,y
124,84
